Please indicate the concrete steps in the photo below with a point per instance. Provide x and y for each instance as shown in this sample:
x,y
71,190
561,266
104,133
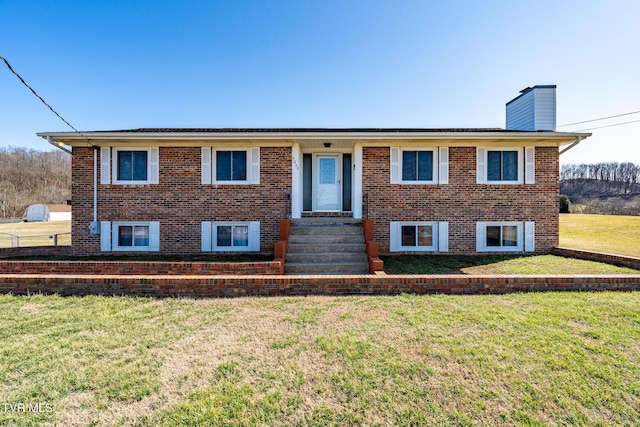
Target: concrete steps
x,y
326,246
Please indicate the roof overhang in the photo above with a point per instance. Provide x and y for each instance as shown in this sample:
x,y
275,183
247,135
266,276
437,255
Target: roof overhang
x,y
288,136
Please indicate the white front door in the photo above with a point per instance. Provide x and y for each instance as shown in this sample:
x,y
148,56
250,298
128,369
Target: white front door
x,y
328,185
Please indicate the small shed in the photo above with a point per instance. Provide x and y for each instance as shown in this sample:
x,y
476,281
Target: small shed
x,y
35,213
59,212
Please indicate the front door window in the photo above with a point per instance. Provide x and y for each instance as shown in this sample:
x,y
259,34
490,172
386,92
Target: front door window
x,y
328,194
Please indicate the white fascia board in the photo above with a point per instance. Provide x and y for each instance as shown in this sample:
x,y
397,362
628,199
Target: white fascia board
x,y
182,138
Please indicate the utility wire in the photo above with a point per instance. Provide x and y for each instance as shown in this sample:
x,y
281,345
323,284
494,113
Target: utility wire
x,y
39,97
608,126
603,118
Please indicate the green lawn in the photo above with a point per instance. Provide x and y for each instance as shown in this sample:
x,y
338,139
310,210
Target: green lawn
x,y
601,233
519,359
497,264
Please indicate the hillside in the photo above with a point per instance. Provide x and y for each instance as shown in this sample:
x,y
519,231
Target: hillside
x,y
32,176
602,197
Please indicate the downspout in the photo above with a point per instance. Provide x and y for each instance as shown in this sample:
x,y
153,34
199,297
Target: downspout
x,y
576,142
59,145
95,185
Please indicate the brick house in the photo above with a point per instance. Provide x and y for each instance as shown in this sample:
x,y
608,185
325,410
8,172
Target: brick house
x,y
192,191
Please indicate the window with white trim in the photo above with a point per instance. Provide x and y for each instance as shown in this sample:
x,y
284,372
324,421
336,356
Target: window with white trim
x,y
505,236
418,236
130,236
229,236
410,165
129,166
418,165
230,165
501,165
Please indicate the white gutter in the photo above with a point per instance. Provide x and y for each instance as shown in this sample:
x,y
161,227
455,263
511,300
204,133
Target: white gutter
x,y
301,135
59,145
577,141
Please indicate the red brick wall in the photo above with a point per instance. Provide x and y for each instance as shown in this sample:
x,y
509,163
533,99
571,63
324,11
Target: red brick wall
x,y
127,268
179,201
235,286
462,202
27,251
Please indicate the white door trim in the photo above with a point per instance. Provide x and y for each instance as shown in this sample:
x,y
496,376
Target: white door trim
x,y
338,178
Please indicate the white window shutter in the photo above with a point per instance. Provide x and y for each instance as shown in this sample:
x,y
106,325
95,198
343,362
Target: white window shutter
x,y
255,165
206,236
530,165
154,169
205,169
105,165
481,230
481,166
254,236
444,165
529,236
154,236
394,236
105,236
395,165
443,236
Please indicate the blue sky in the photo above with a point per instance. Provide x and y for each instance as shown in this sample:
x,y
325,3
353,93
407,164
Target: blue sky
x,y
239,63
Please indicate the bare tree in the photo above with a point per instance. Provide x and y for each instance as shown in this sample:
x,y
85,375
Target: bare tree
x,y
30,176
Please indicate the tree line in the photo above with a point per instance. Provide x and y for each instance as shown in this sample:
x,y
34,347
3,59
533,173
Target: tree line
x,y
626,174
29,176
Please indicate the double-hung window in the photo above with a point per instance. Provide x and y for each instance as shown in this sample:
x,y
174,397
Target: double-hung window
x,y
129,166
505,236
230,165
500,165
417,165
412,165
230,236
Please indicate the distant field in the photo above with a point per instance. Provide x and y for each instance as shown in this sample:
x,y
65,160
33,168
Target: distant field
x,y
601,233
35,233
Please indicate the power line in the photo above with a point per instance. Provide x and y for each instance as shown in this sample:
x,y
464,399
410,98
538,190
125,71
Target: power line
x,y
608,126
602,118
38,96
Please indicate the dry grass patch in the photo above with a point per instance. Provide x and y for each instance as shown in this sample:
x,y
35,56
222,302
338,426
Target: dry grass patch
x,y
35,233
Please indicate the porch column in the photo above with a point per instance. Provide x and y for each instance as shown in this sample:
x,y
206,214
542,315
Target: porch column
x,y
296,181
357,181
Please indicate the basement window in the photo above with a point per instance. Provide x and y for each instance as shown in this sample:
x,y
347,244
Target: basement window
x,y
230,236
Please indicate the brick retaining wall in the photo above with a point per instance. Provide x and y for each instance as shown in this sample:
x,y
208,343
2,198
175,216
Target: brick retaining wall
x,y
28,251
379,284
139,268
620,260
